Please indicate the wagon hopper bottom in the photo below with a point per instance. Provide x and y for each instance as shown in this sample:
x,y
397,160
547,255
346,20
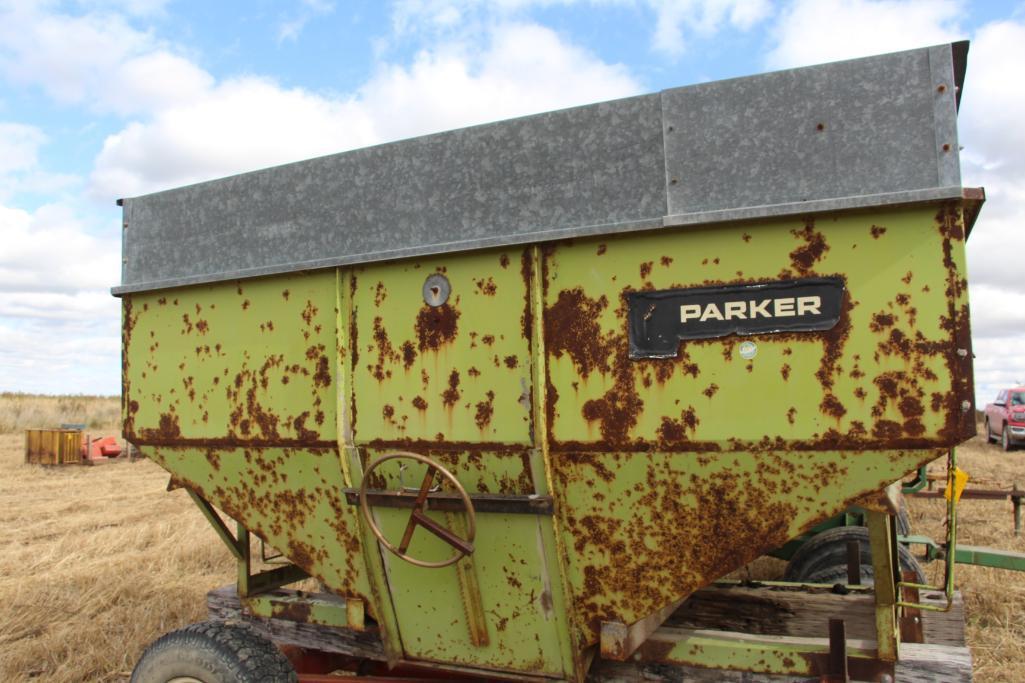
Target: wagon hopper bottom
x,y
512,432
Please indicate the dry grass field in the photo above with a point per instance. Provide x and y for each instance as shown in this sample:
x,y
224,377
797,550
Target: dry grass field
x,y
96,562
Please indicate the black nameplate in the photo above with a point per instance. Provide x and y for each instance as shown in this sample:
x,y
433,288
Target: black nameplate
x,y
659,320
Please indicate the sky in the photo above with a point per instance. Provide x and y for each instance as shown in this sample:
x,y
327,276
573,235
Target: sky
x,y
101,99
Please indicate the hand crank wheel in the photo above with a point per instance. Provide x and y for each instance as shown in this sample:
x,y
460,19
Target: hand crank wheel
x,y
418,517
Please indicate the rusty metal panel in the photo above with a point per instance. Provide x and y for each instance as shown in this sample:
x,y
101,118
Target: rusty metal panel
x,y
894,372
457,372
231,387
514,601
682,469
290,497
246,363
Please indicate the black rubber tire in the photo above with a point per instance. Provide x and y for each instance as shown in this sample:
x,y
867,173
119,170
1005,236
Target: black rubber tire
x,y
1005,440
902,520
989,433
214,652
823,558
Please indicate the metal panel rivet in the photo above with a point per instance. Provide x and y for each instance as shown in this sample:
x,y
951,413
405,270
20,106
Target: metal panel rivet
x,y
966,406
963,353
820,127
941,88
436,290
674,181
946,147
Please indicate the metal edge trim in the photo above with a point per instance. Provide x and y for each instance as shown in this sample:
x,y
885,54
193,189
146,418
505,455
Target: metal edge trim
x,y
887,199
395,254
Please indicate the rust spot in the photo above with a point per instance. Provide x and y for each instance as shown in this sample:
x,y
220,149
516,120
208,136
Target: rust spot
x,y
486,286
380,294
451,395
285,294
503,260
436,326
487,340
746,237
408,354
571,327
602,249
784,370
666,261
646,269
527,273
804,258
388,412
309,312
881,321
831,405
301,432
511,362
245,304
711,390
790,414
168,429
322,377
473,372
385,352
877,231
419,403
674,432
485,409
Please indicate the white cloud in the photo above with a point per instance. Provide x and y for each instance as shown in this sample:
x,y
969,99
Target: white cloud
x,y
816,31
19,146
139,8
675,20
59,329
250,123
309,9
97,59
50,250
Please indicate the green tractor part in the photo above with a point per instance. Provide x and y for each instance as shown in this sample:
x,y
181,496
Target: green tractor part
x,y
513,393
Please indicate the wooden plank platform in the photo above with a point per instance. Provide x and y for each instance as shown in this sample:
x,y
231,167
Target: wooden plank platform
x,y
769,611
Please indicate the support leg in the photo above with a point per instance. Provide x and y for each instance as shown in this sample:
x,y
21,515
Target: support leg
x,y
883,541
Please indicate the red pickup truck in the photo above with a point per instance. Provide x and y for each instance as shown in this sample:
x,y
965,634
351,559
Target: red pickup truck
x,y
1005,418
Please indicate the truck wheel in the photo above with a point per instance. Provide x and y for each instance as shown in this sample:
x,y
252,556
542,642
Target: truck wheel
x,y
989,432
213,652
1005,439
823,558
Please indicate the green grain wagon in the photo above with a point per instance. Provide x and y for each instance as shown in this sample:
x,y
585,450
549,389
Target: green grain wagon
x,y
512,393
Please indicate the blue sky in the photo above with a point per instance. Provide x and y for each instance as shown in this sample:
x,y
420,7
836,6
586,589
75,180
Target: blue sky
x,y
107,98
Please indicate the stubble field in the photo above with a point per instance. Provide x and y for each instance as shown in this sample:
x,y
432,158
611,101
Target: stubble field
x,y
97,562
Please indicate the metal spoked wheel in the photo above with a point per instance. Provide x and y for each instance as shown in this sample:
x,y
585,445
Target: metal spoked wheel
x,y
418,517
213,652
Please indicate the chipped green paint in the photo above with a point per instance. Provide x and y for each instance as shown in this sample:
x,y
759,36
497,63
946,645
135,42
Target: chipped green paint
x,y
269,396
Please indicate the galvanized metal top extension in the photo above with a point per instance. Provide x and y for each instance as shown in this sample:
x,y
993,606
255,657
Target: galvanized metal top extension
x,y
860,133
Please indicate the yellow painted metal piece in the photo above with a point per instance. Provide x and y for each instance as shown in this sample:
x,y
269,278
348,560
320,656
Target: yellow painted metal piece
x,y
53,446
956,482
